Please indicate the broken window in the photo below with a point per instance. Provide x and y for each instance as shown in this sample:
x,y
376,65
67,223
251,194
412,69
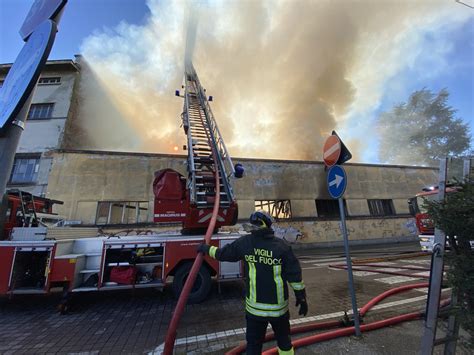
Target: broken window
x,y
276,208
381,207
120,212
329,208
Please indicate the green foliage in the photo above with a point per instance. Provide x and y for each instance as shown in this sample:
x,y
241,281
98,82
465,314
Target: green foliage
x,y
455,216
422,130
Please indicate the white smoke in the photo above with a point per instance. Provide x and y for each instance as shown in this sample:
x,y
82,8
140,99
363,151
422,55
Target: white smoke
x,y
283,73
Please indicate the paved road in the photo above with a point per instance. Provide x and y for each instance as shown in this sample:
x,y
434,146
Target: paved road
x,y
136,322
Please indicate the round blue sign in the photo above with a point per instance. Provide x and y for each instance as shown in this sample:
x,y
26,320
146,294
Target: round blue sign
x,y
337,181
40,11
24,73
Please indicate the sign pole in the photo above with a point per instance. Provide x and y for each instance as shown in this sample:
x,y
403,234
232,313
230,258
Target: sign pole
x,y
436,273
8,146
355,310
336,153
38,31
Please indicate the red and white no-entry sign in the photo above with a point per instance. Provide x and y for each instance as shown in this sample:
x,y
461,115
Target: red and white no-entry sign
x,y
331,150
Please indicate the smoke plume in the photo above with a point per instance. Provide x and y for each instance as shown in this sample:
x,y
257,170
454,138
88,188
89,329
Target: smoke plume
x,y
283,73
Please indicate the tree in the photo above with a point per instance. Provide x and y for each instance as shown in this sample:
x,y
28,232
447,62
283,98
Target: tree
x,y
455,216
422,130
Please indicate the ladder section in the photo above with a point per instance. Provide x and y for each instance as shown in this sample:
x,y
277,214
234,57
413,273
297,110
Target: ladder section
x,y
203,141
28,208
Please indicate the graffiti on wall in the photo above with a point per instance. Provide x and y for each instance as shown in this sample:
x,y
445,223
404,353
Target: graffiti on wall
x,y
357,229
289,234
411,227
264,182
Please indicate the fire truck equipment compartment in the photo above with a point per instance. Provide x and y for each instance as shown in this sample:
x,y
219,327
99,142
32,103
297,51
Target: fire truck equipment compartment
x,y
29,270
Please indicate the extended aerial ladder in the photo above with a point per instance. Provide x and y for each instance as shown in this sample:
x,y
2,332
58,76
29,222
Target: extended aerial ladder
x,y
207,153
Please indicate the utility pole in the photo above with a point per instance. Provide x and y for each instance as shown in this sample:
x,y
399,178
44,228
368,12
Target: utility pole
x,y
38,31
8,147
436,273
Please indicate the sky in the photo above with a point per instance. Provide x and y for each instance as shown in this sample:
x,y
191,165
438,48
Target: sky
x,y
283,73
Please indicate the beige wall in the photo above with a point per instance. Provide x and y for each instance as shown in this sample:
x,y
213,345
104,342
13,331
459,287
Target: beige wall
x,y
358,229
81,179
44,135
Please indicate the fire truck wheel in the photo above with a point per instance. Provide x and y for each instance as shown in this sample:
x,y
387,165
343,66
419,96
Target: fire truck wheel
x,y
202,285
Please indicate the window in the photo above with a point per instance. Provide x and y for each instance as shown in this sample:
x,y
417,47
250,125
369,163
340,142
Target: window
x,y
381,207
120,212
329,208
1,83
56,80
40,111
25,170
276,208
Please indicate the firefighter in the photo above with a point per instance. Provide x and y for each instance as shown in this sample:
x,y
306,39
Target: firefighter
x,y
269,265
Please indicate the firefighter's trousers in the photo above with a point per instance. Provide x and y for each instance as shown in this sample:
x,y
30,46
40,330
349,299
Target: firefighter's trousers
x,y
257,327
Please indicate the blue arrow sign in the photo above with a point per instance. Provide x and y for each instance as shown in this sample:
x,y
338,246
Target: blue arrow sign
x,y
337,181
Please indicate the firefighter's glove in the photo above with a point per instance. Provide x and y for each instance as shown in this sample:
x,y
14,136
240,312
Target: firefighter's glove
x,y
301,301
203,248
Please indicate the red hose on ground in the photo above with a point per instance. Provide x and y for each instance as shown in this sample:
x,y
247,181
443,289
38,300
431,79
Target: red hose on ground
x,y
365,327
346,331
390,292
183,297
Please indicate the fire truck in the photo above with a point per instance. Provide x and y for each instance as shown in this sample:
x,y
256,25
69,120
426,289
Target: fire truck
x,y
23,209
32,263
424,223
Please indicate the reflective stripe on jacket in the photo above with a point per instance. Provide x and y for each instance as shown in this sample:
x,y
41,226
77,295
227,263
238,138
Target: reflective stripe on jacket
x,y
269,264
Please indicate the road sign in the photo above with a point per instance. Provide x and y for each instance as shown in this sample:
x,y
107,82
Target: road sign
x,y
40,11
24,73
345,154
331,150
337,181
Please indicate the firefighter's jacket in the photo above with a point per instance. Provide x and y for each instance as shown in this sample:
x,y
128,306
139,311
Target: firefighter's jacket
x,y
269,265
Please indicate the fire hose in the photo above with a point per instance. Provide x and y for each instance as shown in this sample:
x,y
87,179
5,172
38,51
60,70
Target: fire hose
x,y
183,297
348,330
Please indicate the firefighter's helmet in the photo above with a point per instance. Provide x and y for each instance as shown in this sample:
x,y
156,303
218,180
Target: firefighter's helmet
x,y
261,219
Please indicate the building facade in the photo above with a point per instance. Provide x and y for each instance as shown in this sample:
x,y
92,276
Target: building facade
x,y
114,190
49,111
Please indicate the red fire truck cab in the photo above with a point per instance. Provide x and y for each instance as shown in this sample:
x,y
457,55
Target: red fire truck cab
x,y
424,224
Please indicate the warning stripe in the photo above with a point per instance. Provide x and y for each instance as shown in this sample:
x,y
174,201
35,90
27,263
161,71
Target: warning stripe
x,y
334,148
